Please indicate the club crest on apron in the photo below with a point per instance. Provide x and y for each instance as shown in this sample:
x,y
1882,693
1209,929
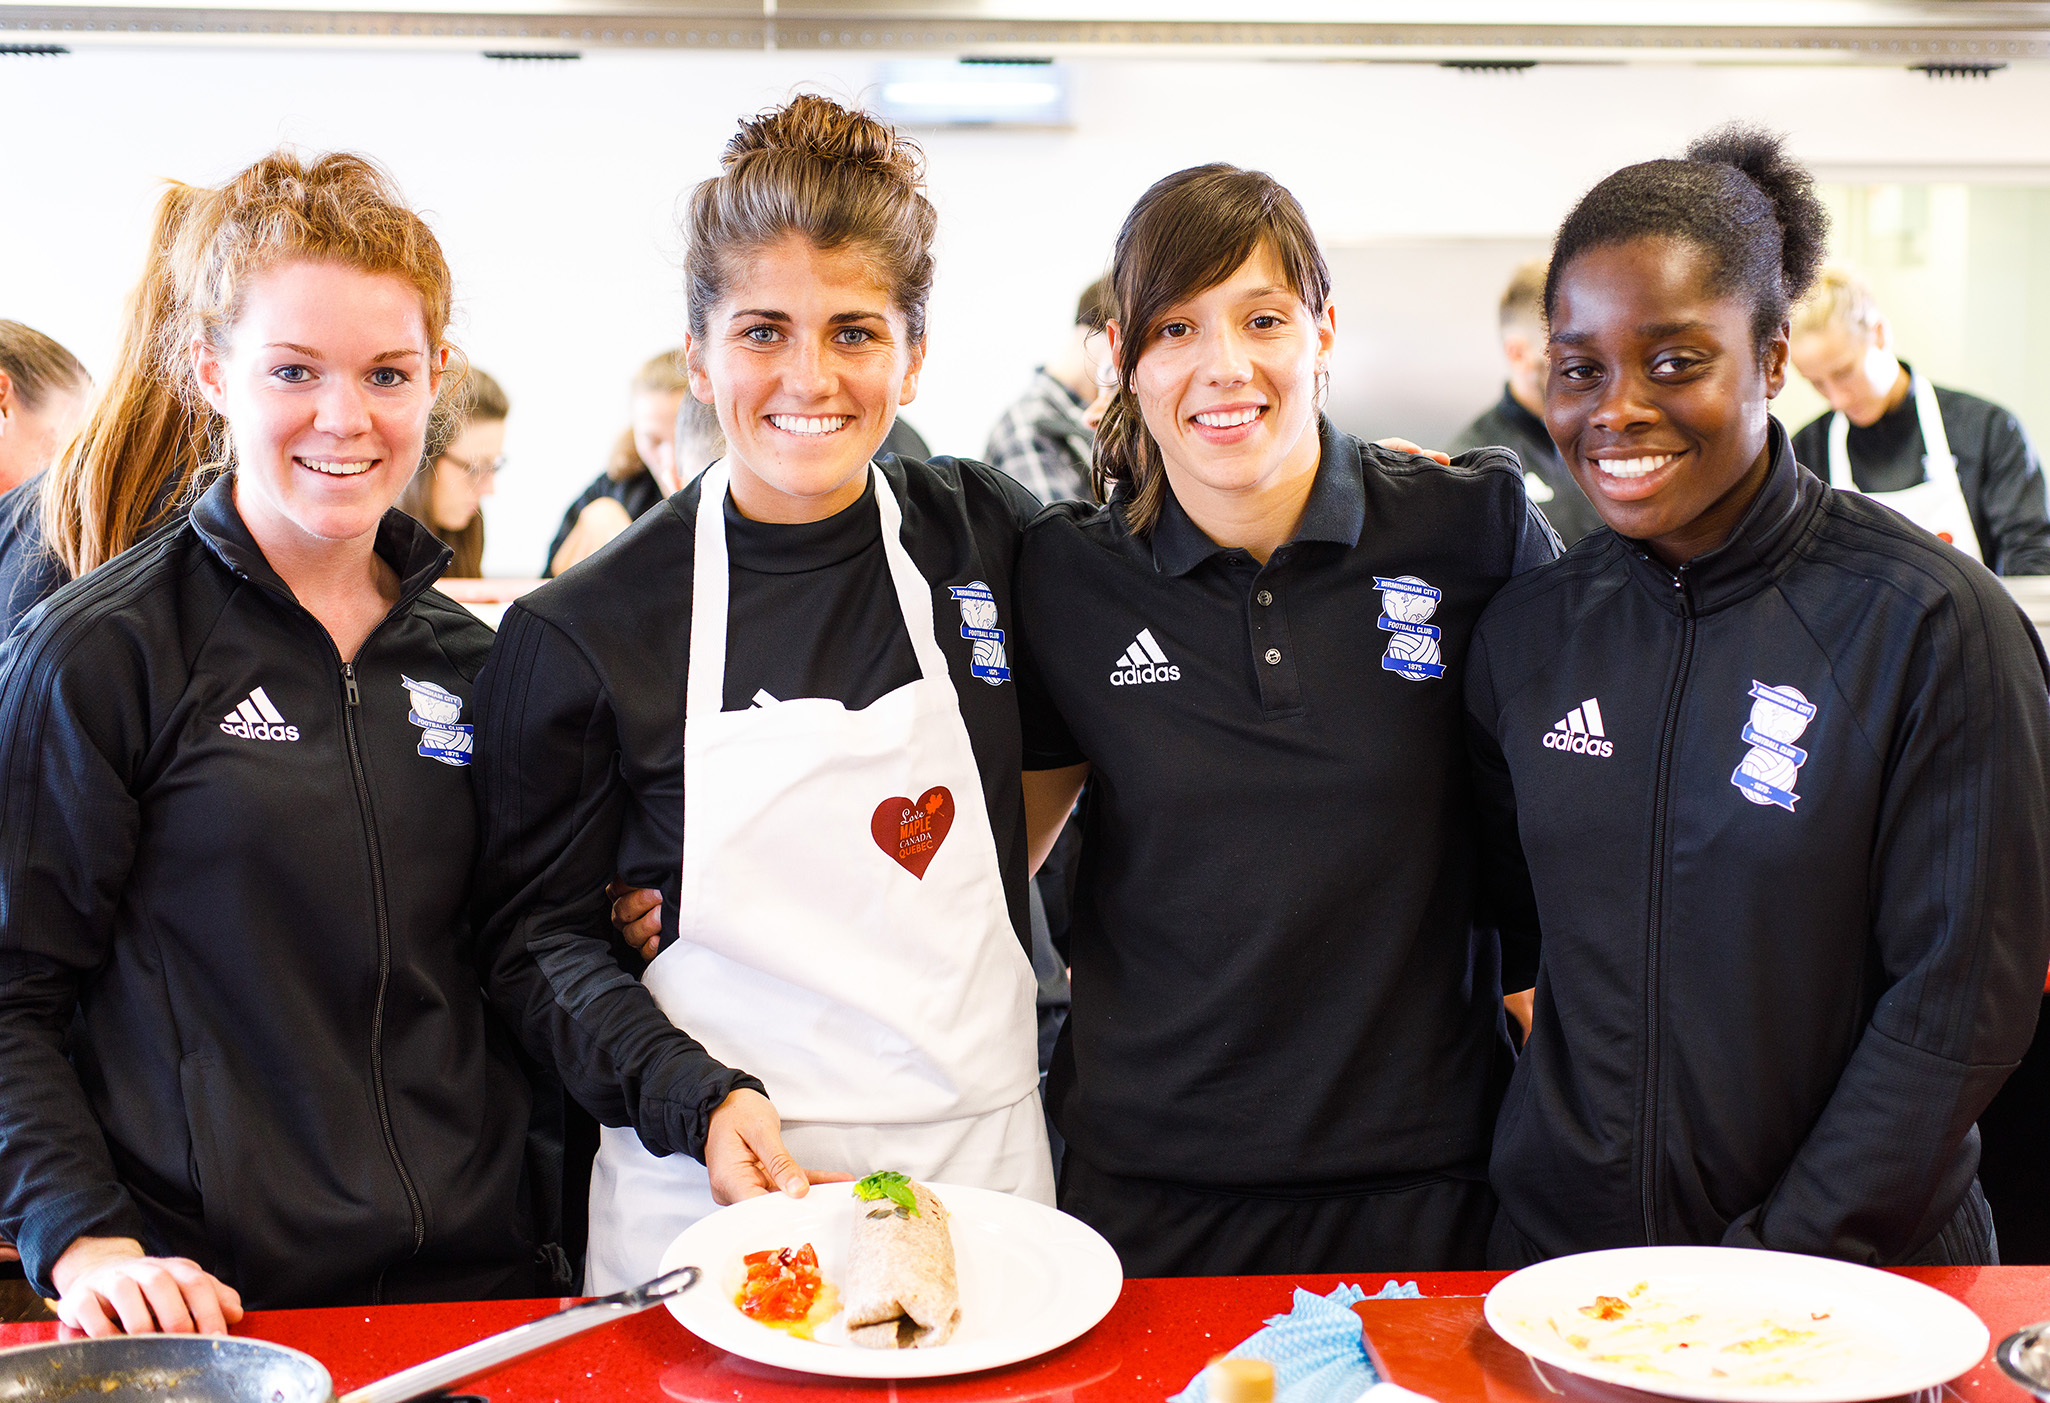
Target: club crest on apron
x,y
1407,604
979,624
434,711
1767,773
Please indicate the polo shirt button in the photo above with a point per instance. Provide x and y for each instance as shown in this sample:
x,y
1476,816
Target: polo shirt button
x,y
1273,655
1265,596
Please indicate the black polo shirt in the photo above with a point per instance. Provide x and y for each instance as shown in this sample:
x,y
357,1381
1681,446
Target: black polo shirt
x,y
1277,986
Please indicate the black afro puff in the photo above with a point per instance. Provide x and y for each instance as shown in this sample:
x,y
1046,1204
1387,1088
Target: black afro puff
x,y
1737,195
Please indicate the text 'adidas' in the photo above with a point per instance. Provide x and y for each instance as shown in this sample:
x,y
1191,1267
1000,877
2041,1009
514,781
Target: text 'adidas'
x,y
1144,662
256,718
1580,732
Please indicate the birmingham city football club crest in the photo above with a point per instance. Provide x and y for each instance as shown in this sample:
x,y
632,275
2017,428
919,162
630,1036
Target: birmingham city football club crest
x,y
1768,771
434,711
1407,604
987,659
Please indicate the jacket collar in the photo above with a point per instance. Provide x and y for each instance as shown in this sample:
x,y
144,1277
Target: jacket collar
x,y
1335,510
1759,549
1511,409
411,550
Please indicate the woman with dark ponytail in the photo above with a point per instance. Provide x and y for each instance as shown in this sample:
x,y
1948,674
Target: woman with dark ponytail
x,y
812,707
1287,1039
1766,764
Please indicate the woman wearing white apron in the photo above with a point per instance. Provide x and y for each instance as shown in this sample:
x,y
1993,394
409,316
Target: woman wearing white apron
x,y
832,744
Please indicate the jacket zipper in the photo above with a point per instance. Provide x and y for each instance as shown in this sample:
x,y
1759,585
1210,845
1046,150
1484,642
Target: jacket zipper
x,y
354,701
1653,926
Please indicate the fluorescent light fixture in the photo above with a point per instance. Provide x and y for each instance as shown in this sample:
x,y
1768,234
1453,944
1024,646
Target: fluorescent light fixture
x,y
943,93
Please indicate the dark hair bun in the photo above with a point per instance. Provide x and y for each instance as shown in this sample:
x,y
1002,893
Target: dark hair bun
x,y
821,129
1804,223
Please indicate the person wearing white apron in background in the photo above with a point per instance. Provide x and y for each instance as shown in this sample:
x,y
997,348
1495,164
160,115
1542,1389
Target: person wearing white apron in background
x,y
821,773
1958,466
1936,504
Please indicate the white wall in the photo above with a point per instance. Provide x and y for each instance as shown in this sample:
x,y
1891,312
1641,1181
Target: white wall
x,y
554,187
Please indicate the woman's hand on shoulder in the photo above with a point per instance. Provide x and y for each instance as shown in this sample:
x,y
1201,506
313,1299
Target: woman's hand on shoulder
x,y
745,1156
1403,445
106,1286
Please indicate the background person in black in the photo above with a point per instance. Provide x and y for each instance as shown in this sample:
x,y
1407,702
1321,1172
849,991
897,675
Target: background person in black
x,y
1768,766
241,1026
1516,421
1842,345
1287,1038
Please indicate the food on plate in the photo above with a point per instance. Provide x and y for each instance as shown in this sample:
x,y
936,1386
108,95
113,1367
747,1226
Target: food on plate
x,y
1678,1331
900,1290
785,1291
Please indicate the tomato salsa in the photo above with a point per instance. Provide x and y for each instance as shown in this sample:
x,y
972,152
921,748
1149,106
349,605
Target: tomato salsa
x,y
782,1285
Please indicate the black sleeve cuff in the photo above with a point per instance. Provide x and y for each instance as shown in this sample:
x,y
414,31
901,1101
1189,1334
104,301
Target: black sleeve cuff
x,y
686,1122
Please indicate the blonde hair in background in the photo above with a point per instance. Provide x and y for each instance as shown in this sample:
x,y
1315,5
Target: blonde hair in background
x,y
1840,299
150,438
660,374
1523,301
36,365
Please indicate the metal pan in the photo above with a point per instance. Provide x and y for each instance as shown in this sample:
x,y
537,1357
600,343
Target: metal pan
x,y
218,1369
2024,1357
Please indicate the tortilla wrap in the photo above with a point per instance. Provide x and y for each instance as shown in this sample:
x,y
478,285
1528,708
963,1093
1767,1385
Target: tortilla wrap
x,y
899,1290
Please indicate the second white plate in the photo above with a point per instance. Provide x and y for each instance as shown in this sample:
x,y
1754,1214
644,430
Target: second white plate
x,y
1734,1326
1032,1279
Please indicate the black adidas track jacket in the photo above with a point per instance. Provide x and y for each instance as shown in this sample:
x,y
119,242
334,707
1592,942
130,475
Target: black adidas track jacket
x,y
243,867
1793,907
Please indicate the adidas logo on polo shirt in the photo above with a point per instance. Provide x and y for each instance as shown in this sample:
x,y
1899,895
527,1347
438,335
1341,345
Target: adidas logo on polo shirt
x,y
1144,662
257,719
1580,731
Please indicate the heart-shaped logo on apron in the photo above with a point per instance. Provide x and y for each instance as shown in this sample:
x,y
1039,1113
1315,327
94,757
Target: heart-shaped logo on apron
x,y
912,832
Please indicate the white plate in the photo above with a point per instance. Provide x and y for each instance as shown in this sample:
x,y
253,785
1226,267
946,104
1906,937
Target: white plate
x,y
1874,1334
1032,1278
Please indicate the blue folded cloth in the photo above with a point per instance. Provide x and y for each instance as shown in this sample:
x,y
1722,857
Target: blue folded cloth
x,y
1317,1350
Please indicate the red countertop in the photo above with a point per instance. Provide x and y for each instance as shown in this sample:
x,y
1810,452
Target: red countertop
x,y
1159,1333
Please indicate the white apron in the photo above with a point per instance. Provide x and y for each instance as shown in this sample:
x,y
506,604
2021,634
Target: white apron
x,y
842,933
1936,505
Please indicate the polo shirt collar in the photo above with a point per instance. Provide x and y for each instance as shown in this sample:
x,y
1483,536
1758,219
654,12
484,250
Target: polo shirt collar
x,y
1335,511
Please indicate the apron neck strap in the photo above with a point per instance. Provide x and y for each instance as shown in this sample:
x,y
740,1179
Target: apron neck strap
x,y
1937,463
711,589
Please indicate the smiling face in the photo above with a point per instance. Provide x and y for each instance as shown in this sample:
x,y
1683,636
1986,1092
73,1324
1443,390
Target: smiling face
x,y
1658,394
807,359
325,381
1227,382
